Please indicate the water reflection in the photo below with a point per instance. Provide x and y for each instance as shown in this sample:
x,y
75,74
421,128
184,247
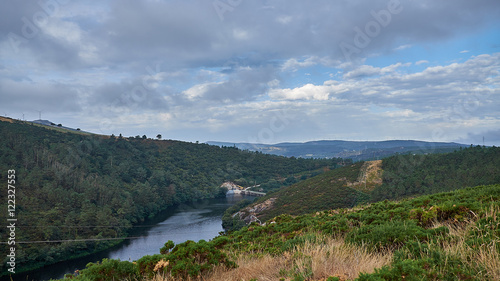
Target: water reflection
x,y
193,221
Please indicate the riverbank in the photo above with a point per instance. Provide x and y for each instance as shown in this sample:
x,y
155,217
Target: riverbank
x,y
189,221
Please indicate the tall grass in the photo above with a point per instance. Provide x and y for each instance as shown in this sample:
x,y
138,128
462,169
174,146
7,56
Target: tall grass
x,y
485,257
314,260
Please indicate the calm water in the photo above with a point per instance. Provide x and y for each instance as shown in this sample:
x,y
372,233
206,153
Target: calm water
x,y
193,221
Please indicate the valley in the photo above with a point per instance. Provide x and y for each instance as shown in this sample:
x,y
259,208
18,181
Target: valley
x,y
90,191
263,140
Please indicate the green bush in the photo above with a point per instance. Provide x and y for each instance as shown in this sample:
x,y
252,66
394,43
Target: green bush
x,y
389,235
400,270
108,270
185,259
147,264
167,247
417,261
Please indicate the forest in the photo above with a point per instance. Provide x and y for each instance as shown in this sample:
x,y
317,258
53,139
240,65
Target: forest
x,y
86,187
410,175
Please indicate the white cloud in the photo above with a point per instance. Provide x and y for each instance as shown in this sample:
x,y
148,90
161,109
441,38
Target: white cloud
x,y
402,47
421,62
467,91
273,83
309,92
368,70
284,19
293,64
241,34
399,113
198,91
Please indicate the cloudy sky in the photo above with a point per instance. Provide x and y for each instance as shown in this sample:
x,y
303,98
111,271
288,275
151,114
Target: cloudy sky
x,y
256,70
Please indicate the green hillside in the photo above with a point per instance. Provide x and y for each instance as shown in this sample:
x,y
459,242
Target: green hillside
x,y
329,190
444,236
400,176
73,186
409,175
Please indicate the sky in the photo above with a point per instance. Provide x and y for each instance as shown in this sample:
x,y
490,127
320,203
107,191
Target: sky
x,y
260,71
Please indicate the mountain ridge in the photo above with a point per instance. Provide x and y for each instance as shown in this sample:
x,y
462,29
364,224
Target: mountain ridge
x,y
356,150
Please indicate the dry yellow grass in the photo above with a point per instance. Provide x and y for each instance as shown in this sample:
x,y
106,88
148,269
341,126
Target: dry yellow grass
x,y
318,261
6,119
370,176
336,258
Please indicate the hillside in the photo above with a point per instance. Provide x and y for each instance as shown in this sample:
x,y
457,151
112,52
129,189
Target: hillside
x,y
355,150
339,188
409,175
444,236
391,178
74,186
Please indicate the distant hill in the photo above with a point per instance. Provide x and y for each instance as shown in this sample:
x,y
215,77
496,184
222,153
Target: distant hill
x,y
51,124
356,150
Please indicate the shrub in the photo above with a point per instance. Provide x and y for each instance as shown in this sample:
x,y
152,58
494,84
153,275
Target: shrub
x,y
147,264
188,259
389,235
167,247
109,270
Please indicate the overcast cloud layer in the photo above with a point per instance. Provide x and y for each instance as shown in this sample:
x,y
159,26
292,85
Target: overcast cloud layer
x,y
256,71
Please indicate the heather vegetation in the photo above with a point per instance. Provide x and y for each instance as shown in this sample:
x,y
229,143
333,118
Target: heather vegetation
x,y
444,236
92,188
401,176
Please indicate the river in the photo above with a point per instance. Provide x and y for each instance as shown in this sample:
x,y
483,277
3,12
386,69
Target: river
x,y
191,221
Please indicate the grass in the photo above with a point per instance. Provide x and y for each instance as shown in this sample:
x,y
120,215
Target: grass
x,y
314,260
485,257
328,256
370,176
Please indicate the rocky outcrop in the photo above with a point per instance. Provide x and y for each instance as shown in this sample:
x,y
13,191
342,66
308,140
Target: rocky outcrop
x,y
250,214
231,185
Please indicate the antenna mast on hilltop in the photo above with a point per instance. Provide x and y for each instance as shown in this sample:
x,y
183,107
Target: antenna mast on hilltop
x,y
39,114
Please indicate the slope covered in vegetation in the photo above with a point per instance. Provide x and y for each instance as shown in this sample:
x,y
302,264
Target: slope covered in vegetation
x,y
330,190
444,236
400,176
408,175
72,186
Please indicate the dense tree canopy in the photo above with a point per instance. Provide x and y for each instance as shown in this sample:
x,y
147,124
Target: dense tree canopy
x,y
408,175
74,186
